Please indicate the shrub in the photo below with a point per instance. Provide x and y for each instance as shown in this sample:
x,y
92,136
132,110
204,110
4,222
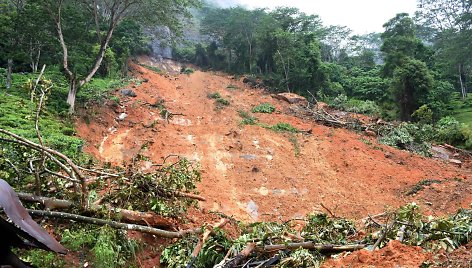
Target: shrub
x,y
247,118
264,108
282,127
423,115
449,130
215,95
342,102
411,137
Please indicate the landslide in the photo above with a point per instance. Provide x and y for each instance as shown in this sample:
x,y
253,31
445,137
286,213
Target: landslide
x,y
257,174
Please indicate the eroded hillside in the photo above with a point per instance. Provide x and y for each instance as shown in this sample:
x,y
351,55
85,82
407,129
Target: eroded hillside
x,y
255,173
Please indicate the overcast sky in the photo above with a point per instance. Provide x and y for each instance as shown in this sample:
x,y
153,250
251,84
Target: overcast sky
x,y
362,16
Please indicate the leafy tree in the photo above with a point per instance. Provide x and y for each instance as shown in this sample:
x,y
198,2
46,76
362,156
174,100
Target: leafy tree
x,y
106,17
411,83
451,23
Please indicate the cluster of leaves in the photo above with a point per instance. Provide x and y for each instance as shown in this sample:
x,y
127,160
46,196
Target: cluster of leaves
x,y
342,102
432,233
220,102
213,251
264,108
319,228
417,137
106,247
247,118
281,127
407,223
157,191
412,137
451,131
187,70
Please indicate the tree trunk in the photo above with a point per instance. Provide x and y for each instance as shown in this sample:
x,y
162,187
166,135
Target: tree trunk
x,y
463,88
72,94
9,71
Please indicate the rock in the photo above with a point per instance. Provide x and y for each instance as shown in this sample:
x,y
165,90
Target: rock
x,y
122,117
128,92
456,162
291,98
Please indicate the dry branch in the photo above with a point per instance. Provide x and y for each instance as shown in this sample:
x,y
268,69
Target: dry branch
x,y
238,259
126,215
114,224
49,203
202,241
46,150
189,195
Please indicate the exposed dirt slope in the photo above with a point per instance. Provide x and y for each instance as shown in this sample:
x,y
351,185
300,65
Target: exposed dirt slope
x,y
254,173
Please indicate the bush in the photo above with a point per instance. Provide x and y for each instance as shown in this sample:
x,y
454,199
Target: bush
x,y
449,130
247,118
412,137
264,108
342,102
423,115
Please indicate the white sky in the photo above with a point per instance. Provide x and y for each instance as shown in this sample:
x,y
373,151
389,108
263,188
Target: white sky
x,y
362,16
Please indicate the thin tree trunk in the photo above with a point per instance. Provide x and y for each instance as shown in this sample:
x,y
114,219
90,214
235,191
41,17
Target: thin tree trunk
x,y
9,71
71,96
463,89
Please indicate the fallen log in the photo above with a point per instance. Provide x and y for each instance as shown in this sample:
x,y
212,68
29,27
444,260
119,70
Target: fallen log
x,y
313,246
129,216
49,203
114,224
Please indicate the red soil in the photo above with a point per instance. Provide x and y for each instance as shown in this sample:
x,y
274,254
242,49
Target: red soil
x,y
394,254
256,174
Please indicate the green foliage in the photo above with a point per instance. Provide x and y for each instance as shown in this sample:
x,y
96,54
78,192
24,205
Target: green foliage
x,y
157,191
450,131
424,115
264,108
187,70
247,118
446,233
152,68
409,136
213,251
40,258
220,102
215,95
296,145
109,247
281,127
321,229
420,186
342,102
301,258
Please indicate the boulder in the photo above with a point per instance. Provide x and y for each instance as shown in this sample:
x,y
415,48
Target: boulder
x,y
128,92
291,98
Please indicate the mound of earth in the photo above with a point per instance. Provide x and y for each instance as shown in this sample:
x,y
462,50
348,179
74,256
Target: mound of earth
x,y
254,173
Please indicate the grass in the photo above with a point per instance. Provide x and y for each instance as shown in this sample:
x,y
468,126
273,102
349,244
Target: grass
x,y
17,112
463,110
152,68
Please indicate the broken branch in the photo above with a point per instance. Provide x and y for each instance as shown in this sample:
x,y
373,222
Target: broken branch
x,y
114,224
